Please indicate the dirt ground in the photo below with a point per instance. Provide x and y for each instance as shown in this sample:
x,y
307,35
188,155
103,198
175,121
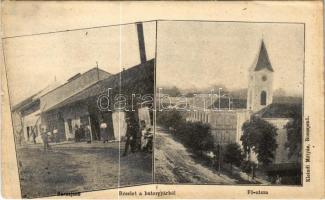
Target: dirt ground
x,y
80,167
175,164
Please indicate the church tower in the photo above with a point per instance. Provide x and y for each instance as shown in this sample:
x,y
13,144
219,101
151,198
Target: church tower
x,y
260,84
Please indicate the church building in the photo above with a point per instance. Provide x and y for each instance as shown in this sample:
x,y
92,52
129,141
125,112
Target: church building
x,y
260,84
226,123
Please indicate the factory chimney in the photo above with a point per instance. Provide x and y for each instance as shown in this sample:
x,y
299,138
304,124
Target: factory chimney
x,y
142,48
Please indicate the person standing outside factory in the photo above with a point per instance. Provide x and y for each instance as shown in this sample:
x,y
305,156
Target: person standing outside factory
x,y
103,131
76,133
131,133
81,132
56,134
87,134
45,138
34,136
143,133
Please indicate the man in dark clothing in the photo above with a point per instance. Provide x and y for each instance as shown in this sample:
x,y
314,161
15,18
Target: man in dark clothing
x,y
34,136
45,138
131,131
81,133
76,133
103,131
87,133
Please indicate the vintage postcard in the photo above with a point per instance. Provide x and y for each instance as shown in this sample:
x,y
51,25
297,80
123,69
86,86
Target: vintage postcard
x,y
171,100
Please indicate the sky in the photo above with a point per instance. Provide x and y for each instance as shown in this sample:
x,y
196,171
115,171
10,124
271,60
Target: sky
x,y
33,62
192,54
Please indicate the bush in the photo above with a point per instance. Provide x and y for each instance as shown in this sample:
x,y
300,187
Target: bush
x,y
248,166
170,118
196,136
233,154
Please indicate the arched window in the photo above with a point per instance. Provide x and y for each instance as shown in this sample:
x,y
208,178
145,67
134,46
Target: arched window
x,y
263,98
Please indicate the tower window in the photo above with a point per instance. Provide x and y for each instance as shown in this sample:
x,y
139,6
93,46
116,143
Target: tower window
x,y
264,78
263,98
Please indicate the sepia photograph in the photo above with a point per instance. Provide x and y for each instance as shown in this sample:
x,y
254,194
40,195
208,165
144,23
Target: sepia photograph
x,y
162,100
80,108
229,102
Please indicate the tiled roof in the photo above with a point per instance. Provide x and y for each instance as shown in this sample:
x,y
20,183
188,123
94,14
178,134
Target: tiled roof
x,y
129,76
280,110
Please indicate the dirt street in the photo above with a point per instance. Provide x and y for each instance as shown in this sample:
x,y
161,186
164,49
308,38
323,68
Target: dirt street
x,y
175,164
80,167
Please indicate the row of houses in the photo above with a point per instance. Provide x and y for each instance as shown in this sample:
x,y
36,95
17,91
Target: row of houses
x,y
74,104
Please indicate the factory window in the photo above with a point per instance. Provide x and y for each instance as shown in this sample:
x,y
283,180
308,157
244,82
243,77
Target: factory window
x,y
28,129
69,121
263,98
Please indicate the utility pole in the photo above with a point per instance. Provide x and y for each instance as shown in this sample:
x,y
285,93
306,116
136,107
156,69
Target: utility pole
x,y
219,97
97,71
219,158
220,152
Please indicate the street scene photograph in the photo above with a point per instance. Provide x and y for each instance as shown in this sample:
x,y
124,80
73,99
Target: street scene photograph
x,y
81,106
229,103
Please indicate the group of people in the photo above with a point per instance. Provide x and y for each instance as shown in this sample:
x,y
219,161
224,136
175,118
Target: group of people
x,y
48,136
135,141
105,134
82,133
137,138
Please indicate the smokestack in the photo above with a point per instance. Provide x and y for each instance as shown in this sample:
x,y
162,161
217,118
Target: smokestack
x,y
142,48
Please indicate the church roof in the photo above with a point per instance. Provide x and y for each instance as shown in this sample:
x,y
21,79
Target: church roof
x,y
280,110
263,59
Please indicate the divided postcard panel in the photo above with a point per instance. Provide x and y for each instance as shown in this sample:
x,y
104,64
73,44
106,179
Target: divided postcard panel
x,y
82,108
229,103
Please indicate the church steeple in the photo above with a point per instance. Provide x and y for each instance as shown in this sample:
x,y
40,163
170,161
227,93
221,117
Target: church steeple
x,y
260,85
263,61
